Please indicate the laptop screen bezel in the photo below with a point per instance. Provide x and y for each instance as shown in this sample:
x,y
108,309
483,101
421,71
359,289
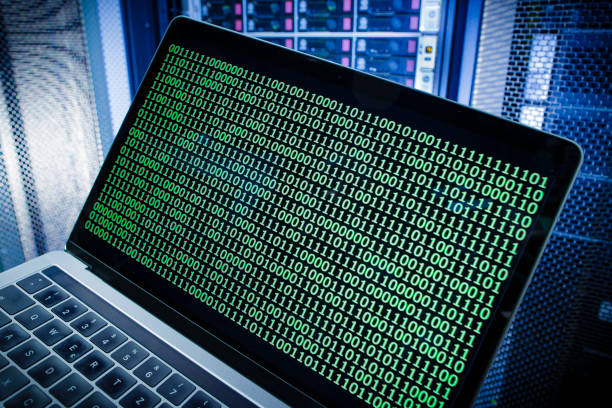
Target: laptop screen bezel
x,y
560,156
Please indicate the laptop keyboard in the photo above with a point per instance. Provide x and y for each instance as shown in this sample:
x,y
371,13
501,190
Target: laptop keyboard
x,y
52,343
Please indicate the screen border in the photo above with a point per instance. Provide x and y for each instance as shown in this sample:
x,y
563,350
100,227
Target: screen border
x,y
561,155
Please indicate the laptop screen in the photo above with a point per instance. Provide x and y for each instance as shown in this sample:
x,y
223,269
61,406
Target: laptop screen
x,y
362,241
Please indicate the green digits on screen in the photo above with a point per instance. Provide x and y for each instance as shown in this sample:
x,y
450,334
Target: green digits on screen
x,y
370,252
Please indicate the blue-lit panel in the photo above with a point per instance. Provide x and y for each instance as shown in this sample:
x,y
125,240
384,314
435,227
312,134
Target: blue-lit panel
x,y
224,13
557,77
269,16
322,15
391,58
397,39
336,49
398,15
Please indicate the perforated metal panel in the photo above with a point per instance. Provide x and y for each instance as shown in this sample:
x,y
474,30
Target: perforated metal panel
x,y
552,69
49,143
10,253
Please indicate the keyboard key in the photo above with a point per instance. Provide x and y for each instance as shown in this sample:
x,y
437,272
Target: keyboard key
x,y
88,324
129,355
96,400
71,389
10,381
175,389
69,310
72,348
152,372
202,400
140,397
4,319
3,361
165,405
31,397
33,317
49,371
116,382
93,365
52,332
13,300
51,296
11,335
34,283
109,339
28,353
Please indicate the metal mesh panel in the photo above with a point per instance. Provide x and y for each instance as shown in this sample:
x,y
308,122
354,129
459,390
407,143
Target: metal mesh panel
x,y
10,253
108,64
115,61
495,42
50,140
557,77
527,362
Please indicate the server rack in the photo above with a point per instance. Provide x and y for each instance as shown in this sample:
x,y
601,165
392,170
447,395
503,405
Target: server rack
x,y
400,40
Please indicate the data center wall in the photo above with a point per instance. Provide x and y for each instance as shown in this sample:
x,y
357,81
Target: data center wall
x,y
50,147
58,115
547,64
397,40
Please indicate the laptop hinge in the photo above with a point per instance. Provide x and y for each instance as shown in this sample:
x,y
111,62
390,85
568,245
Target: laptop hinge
x,y
83,256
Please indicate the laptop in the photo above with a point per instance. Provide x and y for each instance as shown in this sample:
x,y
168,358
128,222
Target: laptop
x,y
270,229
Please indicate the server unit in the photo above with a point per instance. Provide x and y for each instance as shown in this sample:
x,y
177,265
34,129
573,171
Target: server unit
x,y
397,40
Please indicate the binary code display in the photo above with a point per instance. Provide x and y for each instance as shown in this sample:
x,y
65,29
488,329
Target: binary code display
x,y
369,251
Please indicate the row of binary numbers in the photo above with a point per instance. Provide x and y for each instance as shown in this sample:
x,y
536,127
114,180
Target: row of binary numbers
x,y
369,298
